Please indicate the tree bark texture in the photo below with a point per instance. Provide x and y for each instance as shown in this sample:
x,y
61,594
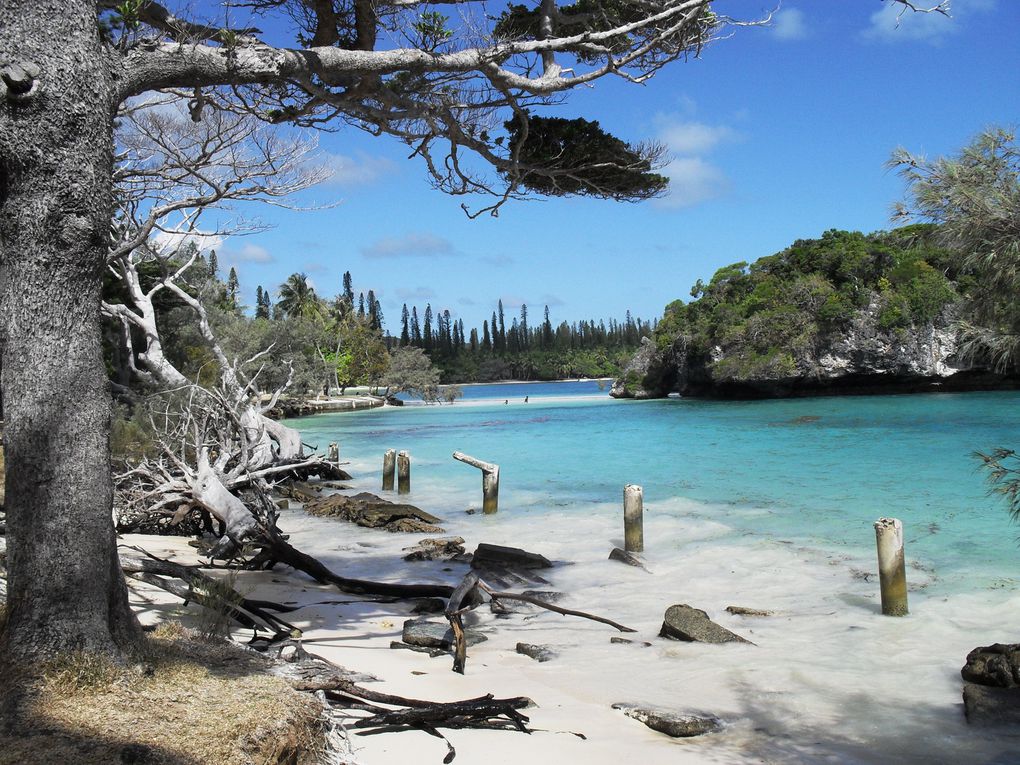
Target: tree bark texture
x,y
66,590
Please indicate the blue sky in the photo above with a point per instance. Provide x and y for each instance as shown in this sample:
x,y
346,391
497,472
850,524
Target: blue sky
x,y
777,133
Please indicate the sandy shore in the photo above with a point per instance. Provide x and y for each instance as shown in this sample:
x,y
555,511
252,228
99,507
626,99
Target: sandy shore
x,y
829,680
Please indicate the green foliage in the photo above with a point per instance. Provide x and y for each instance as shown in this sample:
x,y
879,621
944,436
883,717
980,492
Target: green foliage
x,y
431,30
1002,469
754,321
974,197
560,156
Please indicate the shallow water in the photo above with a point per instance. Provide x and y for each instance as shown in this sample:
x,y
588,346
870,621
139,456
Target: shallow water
x,y
761,504
808,470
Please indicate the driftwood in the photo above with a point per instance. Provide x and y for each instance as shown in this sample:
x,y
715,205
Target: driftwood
x,y
190,584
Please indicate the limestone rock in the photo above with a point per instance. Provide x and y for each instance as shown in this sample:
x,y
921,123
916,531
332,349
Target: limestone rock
x,y
682,622
626,557
539,653
991,706
671,723
995,665
487,555
429,633
371,511
437,548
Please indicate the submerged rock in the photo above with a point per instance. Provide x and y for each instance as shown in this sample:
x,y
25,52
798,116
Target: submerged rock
x,y
741,611
429,633
487,555
991,706
438,548
374,512
671,723
683,622
539,653
991,695
626,557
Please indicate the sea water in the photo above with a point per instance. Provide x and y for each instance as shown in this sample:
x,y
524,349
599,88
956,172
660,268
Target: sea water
x,y
765,504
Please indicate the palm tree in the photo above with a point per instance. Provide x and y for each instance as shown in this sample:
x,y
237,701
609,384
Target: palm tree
x,y
298,298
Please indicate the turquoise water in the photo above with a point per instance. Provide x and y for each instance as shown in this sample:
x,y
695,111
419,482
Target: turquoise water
x,y
811,471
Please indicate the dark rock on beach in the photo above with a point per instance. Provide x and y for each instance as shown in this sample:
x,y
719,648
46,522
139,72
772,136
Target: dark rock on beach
x,y
990,706
626,557
375,512
539,653
995,665
487,556
430,633
991,695
671,723
682,622
438,548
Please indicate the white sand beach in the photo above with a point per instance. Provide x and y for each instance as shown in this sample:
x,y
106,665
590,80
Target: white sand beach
x,y
828,679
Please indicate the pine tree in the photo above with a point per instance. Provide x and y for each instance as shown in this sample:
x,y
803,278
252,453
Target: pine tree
x,y
486,340
233,287
523,329
427,328
348,286
502,327
361,305
405,332
213,265
416,339
547,331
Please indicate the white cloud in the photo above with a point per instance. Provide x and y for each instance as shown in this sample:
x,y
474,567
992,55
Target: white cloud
x,y
895,23
413,245
358,170
788,24
249,253
692,180
692,137
169,241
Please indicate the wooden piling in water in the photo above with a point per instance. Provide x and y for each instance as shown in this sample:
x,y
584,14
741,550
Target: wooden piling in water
x,y
633,518
892,571
403,472
389,469
490,481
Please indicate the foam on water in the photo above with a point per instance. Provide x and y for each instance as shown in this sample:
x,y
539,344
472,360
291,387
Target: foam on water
x,y
765,505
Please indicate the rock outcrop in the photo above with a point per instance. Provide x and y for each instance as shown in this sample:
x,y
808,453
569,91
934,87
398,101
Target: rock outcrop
x,y
375,512
991,693
861,358
675,724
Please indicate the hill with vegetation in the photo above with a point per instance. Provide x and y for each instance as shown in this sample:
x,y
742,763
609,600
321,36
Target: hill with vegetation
x,y
844,313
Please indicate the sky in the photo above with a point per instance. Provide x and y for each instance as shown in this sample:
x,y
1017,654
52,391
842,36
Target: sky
x,y
776,133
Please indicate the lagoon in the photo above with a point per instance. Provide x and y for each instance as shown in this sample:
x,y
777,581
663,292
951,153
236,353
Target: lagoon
x,y
763,504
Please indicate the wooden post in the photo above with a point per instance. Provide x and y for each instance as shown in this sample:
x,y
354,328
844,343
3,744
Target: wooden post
x,y
490,481
389,469
333,455
633,518
892,572
403,472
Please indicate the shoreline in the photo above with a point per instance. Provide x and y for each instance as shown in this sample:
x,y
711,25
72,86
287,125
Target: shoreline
x,y
826,636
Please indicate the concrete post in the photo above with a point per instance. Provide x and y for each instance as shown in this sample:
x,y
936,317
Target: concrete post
x,y
403,472
892,572
633,518
389,469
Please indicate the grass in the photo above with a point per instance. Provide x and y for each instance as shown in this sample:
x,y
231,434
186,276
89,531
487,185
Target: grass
x,y
182,700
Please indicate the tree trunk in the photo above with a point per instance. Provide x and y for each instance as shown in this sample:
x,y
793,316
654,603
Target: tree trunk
x,y
65,589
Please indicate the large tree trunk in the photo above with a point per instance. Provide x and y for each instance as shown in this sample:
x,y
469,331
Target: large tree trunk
x,y
65,590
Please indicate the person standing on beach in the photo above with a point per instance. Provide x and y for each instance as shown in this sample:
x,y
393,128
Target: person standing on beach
x,y
525,399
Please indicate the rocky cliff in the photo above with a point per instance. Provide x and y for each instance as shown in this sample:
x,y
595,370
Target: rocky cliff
x,y
861,359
